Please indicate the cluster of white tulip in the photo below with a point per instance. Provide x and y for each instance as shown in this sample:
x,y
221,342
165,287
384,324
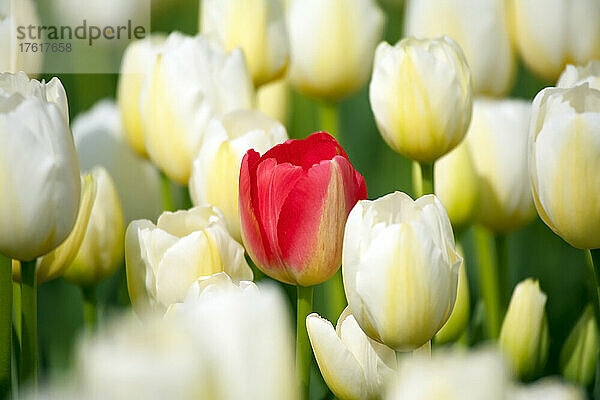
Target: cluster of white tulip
x,y
227,340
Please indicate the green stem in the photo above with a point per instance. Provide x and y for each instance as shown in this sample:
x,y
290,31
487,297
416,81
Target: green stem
x,y
336,297
165,191
594,256
5,326
329,119
422,178
28,323
501,242
426,178
303,349
90,304
488,282
17,311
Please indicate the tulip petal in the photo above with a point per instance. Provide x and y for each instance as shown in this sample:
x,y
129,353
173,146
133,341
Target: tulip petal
x,y
55,263
317,147
377,360
183,263
274,182
405,292
340,369
322,200
135,255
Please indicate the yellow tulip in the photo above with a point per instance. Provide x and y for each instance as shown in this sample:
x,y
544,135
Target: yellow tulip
x,y
256,26
101,251
552,33
421,96
481,29
457,186
564,157
332,43
134,68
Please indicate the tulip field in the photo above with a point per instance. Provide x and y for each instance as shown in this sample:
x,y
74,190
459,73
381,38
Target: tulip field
x,y
300,199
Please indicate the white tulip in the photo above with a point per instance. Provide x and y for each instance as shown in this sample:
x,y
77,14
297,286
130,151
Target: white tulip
x,y
457,185
100,141
452,375
227,341
101,251
400,268
164,260
481,29
273,99
497,139
246,341
421,96
39,170
576,75
15,13
564,157
152,359
332,43
524,335
256,26
192,79
216,170
354,366
552,33
547,389
137,60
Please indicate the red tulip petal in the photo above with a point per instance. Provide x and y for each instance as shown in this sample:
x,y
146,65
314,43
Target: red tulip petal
x,y
305,153
252,234
312,219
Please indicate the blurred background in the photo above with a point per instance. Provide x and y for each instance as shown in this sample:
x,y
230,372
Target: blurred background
x,y
534,251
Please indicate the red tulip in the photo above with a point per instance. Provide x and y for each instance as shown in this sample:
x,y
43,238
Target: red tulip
x,y
294,202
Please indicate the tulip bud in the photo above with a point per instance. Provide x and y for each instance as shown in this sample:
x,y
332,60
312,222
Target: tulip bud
x,y
293,205
353,365
54,264
101,251
100,141
393,245
457,186
257,27
216,171
564,155
476,374
134,68
459,319
191,80
480,27
273,100
39,170
332,43
524,334
576,75
165,259
551,33
547,388
578,355
497,139
421,96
